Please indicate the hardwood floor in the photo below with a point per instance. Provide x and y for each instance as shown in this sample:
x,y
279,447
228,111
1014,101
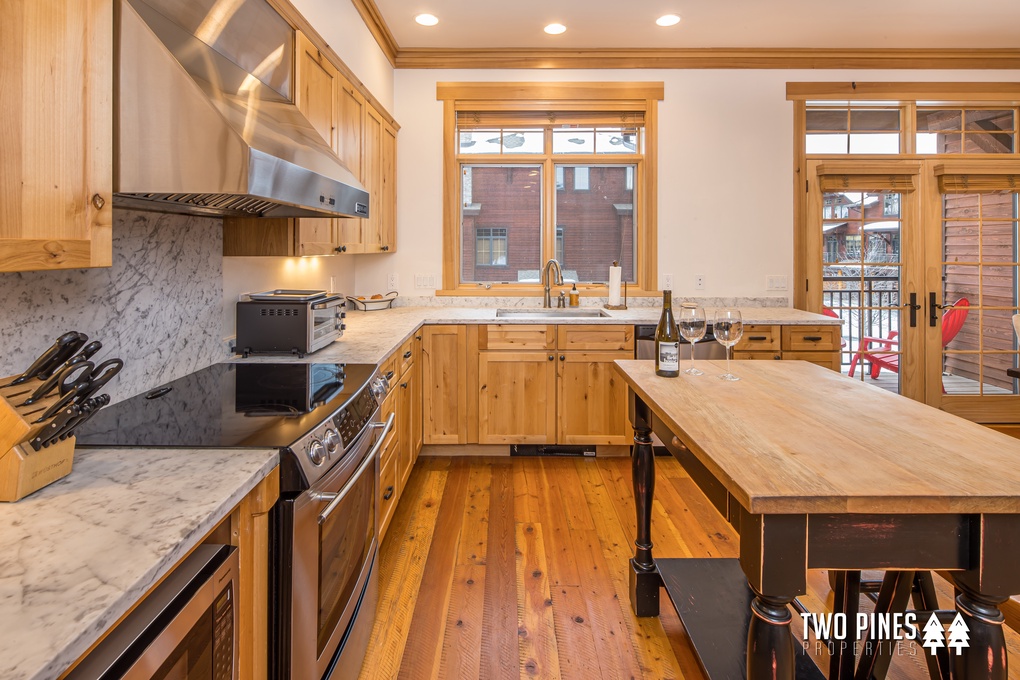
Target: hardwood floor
x,y
517,567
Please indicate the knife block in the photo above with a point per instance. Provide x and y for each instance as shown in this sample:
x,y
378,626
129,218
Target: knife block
x,y
23,470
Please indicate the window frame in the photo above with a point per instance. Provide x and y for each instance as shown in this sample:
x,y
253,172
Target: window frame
x,y
563,98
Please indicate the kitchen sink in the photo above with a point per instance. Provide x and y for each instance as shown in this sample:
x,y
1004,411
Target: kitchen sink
x,y
550,313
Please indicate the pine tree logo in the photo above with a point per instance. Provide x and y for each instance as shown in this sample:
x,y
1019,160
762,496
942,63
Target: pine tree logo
x,y
935,636
959,634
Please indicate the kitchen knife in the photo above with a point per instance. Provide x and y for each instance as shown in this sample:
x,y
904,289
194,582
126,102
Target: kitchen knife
x,y
76,391
87,410
45,360
65,379
65,353
47,434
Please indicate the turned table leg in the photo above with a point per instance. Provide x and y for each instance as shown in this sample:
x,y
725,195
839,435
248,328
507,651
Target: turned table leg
x,y
770,651
985,653
644,577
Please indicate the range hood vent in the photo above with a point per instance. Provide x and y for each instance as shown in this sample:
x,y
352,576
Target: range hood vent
x,y
205,120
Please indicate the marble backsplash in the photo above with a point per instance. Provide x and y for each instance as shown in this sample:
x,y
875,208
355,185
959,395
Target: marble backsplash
x,y
158,307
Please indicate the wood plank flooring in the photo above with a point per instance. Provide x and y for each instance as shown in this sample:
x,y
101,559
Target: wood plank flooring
x,y
517,568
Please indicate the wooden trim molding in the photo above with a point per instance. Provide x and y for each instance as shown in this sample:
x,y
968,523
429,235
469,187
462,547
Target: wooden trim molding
x,y
907,92
376,25
555,91
708,58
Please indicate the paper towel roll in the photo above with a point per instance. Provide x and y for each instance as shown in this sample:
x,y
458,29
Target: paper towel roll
x,y
615,274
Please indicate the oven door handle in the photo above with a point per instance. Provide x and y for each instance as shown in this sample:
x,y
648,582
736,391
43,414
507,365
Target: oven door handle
x,y
335,498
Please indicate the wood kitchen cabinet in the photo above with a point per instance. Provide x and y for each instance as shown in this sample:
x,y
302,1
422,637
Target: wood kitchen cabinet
x,y
365,141
404,442
562,390
56,150
817,344
449,365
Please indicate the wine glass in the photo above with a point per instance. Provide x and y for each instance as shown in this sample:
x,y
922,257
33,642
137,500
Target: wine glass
x,y
692,326
728,328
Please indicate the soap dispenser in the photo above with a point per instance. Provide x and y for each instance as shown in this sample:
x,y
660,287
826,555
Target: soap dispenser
x,y
574,296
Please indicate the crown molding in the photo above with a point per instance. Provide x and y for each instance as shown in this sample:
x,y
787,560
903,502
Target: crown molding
x,y
706,58
373,19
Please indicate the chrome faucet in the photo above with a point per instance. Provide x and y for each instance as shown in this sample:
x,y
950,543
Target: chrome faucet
x,y
547,301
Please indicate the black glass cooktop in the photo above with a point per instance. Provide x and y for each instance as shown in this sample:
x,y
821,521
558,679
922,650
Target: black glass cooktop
x,y
230,406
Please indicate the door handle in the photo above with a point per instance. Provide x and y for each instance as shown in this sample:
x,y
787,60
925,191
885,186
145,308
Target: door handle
x,y
913,309
933,311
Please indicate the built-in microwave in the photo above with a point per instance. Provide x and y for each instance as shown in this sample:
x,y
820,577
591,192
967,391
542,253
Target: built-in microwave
x,y
186,629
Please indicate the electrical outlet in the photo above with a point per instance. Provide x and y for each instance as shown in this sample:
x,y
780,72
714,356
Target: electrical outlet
x,y
393,282
775,282
667,282
699,282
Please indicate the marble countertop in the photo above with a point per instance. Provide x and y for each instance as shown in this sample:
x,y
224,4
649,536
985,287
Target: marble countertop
x,y
76,555
372,336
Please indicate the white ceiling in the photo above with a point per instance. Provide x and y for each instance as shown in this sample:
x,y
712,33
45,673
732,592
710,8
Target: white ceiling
x,y
708,23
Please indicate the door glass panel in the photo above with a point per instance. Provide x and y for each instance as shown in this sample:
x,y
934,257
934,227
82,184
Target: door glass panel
x,y
980,280
862,269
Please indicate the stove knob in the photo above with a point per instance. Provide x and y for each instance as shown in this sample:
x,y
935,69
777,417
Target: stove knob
x,y
332,441
316,452
380,386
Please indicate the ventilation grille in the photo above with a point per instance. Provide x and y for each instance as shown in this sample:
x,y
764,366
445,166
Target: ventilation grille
x,y
221,204
279,311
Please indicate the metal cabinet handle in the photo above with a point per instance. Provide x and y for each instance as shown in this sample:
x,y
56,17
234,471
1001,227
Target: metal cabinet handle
x,y
407,354
813,338
403,385
563,358
341,249
389,375
551,357
335,498
389,493
757,338
385,248
417,337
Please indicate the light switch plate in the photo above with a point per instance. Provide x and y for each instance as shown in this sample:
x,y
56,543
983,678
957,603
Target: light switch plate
x,y
776,282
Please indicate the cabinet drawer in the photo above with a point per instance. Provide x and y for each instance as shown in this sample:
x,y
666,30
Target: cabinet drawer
x,y
389,406
826,359
754,356
758,338
810,338
516,337
405,356
390,368
388,495
598,338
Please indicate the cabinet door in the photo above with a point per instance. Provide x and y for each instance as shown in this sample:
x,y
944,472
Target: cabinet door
x,y
56,150
350,123
592,399
416,400
315,89
407,387
444,385
517,397
371,155
388,190
315,236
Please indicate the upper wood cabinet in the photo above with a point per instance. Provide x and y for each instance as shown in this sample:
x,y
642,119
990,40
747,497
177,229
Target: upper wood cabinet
x,y
363,139
379,164
316,82
56,149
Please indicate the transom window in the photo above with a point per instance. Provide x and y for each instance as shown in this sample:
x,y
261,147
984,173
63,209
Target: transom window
x,y
550,170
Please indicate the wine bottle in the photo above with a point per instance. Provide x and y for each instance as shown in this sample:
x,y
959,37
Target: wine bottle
x,y
667,340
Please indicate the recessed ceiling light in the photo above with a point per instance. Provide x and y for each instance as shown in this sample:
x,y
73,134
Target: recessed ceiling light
x,y
555,29
426,20
668,20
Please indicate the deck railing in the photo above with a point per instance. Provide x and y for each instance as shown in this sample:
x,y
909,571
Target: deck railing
x,y
866,305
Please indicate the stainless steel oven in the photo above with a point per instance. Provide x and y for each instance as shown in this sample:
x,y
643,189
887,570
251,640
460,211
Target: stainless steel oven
x,y
323,538
186,629
326,556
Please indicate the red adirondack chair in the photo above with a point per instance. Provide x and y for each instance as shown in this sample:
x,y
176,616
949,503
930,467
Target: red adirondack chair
x,y
876,350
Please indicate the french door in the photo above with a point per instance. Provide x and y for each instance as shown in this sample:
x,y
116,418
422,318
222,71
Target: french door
x,y
919,260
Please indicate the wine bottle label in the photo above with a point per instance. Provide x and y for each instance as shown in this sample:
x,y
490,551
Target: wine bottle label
x,y
669,356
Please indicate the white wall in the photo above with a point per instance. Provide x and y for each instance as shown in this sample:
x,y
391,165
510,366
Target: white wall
x,y
342,27
713,126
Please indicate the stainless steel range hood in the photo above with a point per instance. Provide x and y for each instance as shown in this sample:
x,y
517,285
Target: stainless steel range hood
x,y
205,123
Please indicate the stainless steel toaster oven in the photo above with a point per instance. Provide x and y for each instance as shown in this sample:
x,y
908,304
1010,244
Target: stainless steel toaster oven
x,y
295,321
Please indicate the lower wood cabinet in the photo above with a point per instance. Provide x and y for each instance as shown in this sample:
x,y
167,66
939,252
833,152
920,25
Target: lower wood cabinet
x,y
816,344
566,393
446,359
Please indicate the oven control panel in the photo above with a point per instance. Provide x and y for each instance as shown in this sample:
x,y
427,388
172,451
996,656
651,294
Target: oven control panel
x,y
352,419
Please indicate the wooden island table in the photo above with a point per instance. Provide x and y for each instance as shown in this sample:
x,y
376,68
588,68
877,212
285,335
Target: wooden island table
x,y
818,471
